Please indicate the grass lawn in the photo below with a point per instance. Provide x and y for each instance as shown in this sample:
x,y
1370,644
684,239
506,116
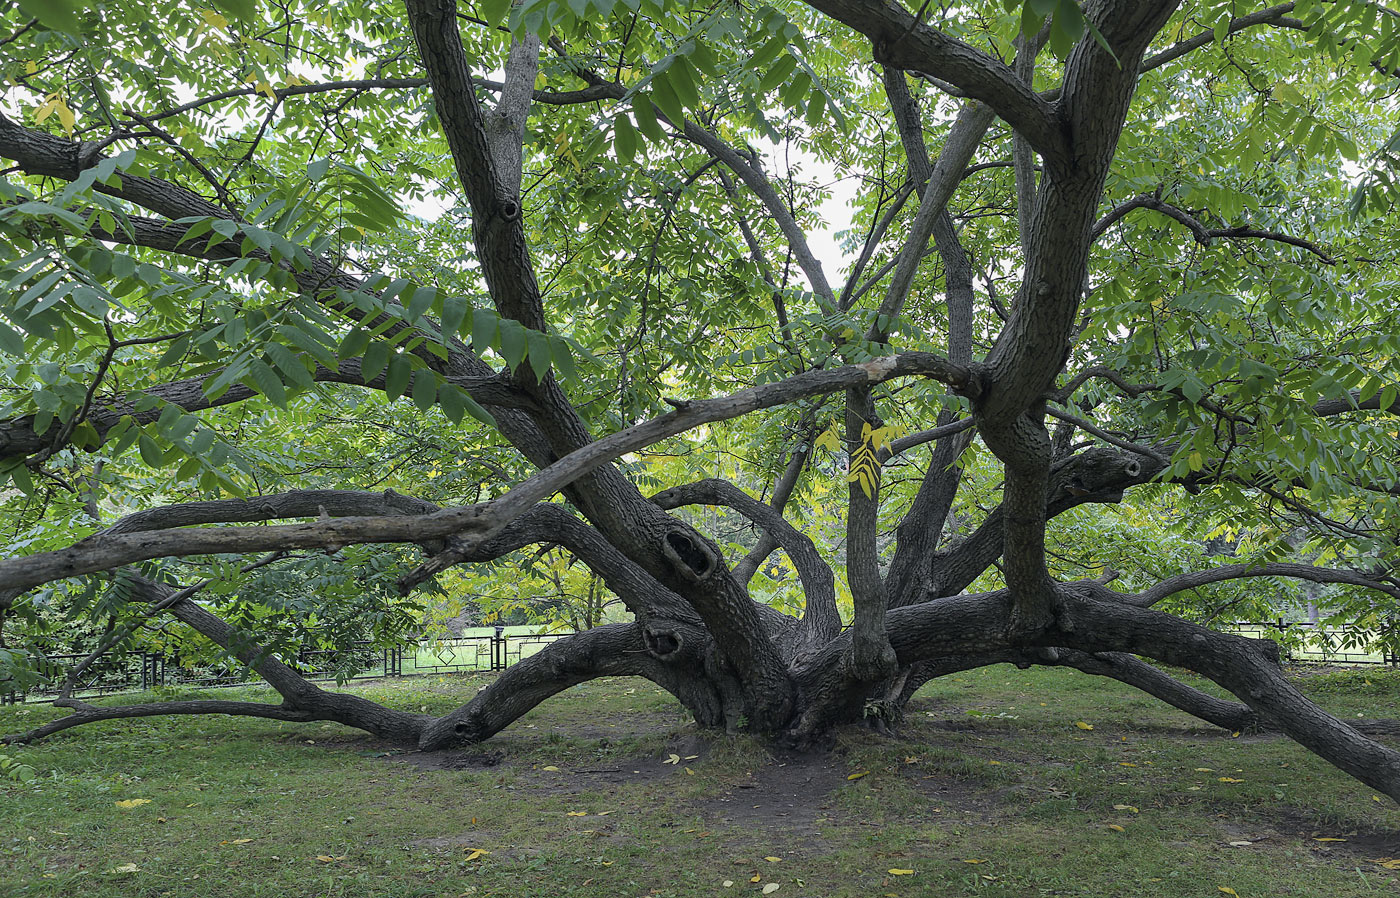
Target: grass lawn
x,y
991,790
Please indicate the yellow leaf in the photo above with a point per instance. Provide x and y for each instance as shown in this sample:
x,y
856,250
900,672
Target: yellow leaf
x,y
551,768
213,19
672,759
577,814
1125,807
828,440
994,762
476,853
1328,839
900,872
1228,891
31,67
265,87
236,842
328,859
1230,779
124,868
43,111
1126,764
772,860
856,776
133,802
692,757
757,877
974,860
770,888
1083,726
728,883
1116,828
1205,770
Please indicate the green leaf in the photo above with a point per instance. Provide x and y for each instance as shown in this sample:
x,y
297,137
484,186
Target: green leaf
x,y
539,352
484,325
10,340
454,310
56,15
645,114
513,342
267,382
150,450
397,377
424,389
421,300
624,137
666,99
494,12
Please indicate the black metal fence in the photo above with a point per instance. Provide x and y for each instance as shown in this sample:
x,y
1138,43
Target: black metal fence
x,y
1303,641
125,672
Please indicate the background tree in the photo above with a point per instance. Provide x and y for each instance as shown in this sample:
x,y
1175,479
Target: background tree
x,y
1137,246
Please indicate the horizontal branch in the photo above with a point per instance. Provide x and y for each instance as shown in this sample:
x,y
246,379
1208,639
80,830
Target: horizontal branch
x,y
105,551
1203,234
551,98
1182,582
19,439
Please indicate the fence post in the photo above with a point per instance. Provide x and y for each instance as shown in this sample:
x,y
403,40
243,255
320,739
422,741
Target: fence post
x,y
498,649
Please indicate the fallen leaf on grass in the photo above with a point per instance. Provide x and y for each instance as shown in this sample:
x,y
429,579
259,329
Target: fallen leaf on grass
x,y
124,868
476,853
1230,779
757,877
1328,839
1205,769
672,759
689,772
770,888
133,802
1083,726
1125,807
551,768
329,859
856,776
1240,844
974,860
1389,863
1228,891
236,842
899,872
576,814
1126,764
1116,828
692,757
772,860
728,883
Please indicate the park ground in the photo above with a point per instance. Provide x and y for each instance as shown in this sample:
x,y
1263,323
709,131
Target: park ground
x,y
1001,783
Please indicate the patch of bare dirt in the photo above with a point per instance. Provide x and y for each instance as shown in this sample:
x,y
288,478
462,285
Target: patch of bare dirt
x,y
789,794
451,760
1366,843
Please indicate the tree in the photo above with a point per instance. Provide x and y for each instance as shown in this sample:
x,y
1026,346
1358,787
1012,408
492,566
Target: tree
x,y
1161,229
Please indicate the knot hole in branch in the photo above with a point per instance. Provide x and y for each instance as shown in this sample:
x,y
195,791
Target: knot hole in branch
x,y
510,209
662,643
694,560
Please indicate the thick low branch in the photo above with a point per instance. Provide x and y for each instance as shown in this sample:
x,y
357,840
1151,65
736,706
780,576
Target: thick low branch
x,y
821,619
